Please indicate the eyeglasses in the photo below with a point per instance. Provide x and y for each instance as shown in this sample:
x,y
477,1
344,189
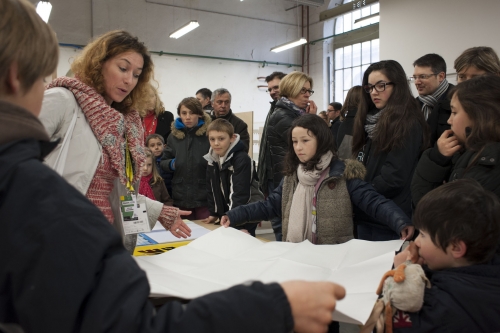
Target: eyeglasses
x,y
304,90
378,87
421,77
273,88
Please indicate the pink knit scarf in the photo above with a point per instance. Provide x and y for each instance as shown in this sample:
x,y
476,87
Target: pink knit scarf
x,y
110,126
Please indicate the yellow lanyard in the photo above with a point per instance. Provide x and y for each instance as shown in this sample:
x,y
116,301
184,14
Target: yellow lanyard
x,y
129,170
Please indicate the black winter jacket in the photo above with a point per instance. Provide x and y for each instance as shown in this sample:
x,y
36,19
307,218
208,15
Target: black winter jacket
x,y
265,170
438,119
343,141
229,185
240,127
188,146
277,138
60,256
163,127
362,195
391,173
461,300
433,169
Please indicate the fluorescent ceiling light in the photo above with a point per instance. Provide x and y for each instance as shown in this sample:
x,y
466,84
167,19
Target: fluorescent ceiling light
x,y
289,45
43,9
185,29
366,17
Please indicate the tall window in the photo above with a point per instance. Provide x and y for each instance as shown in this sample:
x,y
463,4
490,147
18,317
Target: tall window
x,y
353,59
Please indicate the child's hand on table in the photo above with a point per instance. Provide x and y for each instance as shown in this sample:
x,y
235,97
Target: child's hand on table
x,y
210,219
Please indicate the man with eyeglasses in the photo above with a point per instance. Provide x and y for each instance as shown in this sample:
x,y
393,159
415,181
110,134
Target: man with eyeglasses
x,y
429,76
264,169
221,102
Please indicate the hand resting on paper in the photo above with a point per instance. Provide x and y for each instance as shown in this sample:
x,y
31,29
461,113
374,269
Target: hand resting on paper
x,y
210,219
180,229
312,304
224,221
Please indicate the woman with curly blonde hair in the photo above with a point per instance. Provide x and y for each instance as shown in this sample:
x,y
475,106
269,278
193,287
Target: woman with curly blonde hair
x,y
94,116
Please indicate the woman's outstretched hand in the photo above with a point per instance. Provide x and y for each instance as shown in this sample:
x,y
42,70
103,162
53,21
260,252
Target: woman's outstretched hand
x,y
180,229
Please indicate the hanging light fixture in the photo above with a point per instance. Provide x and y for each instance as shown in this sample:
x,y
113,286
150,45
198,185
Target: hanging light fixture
x,y
289,45
43,9
185,29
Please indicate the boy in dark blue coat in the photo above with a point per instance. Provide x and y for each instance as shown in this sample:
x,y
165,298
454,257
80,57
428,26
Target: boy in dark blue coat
x,y
230,173
458,243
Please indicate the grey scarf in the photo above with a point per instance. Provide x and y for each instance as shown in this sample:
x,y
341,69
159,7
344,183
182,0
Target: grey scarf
x,y
371,123
430,101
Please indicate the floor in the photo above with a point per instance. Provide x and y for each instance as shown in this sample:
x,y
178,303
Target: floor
x,y
265,231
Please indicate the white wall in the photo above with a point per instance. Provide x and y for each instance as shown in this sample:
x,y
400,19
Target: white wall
x,y
411,29
228,28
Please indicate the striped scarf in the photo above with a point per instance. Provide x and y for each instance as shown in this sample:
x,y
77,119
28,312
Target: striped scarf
x,y
292,105
430,101
371,122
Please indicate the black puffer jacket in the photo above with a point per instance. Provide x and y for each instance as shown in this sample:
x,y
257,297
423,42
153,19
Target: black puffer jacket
x,y
187,147
438,119
277,138
60,256
433,169
461,300
230,185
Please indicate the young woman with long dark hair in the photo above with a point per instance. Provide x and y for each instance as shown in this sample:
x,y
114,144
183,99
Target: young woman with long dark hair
x,y
389,135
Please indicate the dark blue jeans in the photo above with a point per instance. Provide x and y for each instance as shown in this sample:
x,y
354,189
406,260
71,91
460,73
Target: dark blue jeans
x,y
276,221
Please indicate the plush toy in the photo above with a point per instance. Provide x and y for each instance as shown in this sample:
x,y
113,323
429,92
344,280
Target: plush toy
x,y
403,289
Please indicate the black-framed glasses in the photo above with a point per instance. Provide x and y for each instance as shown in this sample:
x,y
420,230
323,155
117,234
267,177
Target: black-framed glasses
x,y
304,90
270,89
421,77
380,86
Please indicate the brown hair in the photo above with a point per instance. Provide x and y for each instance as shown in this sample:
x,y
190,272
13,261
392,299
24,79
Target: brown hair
x,y
480,99
159,108
221,125
352,100
154,136
316,127
401,114
461,210
481,57
88,66
26,40
192,104
292,83
156,176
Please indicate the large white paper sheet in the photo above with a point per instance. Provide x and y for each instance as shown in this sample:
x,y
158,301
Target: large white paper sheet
x,y
226,257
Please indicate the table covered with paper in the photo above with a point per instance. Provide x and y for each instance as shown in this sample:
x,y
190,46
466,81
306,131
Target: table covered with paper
x,y
226,257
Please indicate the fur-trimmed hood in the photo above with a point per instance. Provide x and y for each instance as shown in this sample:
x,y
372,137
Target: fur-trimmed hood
x,y
354,169
181,133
